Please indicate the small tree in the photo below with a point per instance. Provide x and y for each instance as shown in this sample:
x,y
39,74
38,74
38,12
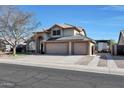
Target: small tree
x,y
15,25
113,42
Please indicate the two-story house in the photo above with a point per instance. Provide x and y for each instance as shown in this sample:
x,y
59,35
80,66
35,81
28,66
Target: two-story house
x,y
61,39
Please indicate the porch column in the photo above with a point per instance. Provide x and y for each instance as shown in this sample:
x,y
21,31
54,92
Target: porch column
x,y
35,45
89,49
70,48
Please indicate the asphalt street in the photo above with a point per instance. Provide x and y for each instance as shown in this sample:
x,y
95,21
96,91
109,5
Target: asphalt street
x,y
18,76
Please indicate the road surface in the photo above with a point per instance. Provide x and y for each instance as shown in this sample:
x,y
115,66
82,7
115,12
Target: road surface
x,y
37,77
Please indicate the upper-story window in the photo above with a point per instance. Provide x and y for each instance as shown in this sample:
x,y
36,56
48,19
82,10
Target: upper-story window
x,y
56,32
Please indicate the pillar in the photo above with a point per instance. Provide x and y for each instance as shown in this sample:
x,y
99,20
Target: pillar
x,y
70,48
89,48
43,46
35,45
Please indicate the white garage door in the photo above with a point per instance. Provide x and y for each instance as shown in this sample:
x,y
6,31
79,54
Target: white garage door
x,y
80,48
57,48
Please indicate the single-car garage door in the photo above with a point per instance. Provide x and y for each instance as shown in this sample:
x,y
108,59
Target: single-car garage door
x,y
80,48
57,48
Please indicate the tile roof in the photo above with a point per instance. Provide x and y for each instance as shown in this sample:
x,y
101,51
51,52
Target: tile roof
x,y
65,25
70,26
76,37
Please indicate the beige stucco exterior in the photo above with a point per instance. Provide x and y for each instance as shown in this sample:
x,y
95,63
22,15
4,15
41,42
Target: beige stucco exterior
x,y
71,47
91,51
77,32
66,32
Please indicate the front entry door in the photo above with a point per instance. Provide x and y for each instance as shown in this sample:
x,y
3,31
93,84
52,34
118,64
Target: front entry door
x,y
41,48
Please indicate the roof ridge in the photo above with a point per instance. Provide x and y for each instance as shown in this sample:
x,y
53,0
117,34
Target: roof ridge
x,y
69,24
74,25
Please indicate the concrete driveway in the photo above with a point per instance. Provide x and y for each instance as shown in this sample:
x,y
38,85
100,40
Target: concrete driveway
x,y
103,63
53,59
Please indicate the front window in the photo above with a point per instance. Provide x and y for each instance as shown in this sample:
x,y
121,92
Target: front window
x,y
32,45
56,32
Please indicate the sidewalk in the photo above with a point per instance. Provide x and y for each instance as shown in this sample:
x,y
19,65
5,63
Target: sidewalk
x,y
110,69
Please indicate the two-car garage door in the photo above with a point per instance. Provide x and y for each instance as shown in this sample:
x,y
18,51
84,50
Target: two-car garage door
x,y
62,48
57,48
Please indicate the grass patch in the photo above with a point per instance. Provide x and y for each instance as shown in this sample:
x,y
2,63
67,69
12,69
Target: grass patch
x,y
18,55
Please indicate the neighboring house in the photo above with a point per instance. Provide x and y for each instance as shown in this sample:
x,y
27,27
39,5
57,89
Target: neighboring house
x,y
61,39
8,48
118,49
121,38
103,46
2,45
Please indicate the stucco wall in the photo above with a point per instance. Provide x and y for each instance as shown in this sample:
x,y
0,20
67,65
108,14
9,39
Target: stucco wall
x,y
90,47
32,45
64,32
68,32
82,33
45,36
77,33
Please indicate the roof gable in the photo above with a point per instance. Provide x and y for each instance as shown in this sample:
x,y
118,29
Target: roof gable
x,y
61,26
67,26
121,37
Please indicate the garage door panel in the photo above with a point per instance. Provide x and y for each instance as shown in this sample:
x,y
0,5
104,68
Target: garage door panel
x,y
80,48
57,48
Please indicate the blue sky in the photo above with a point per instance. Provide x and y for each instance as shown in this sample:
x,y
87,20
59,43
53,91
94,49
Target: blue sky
x,y
100,22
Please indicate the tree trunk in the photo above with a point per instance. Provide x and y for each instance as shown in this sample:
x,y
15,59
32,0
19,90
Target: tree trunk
x,y
14,51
